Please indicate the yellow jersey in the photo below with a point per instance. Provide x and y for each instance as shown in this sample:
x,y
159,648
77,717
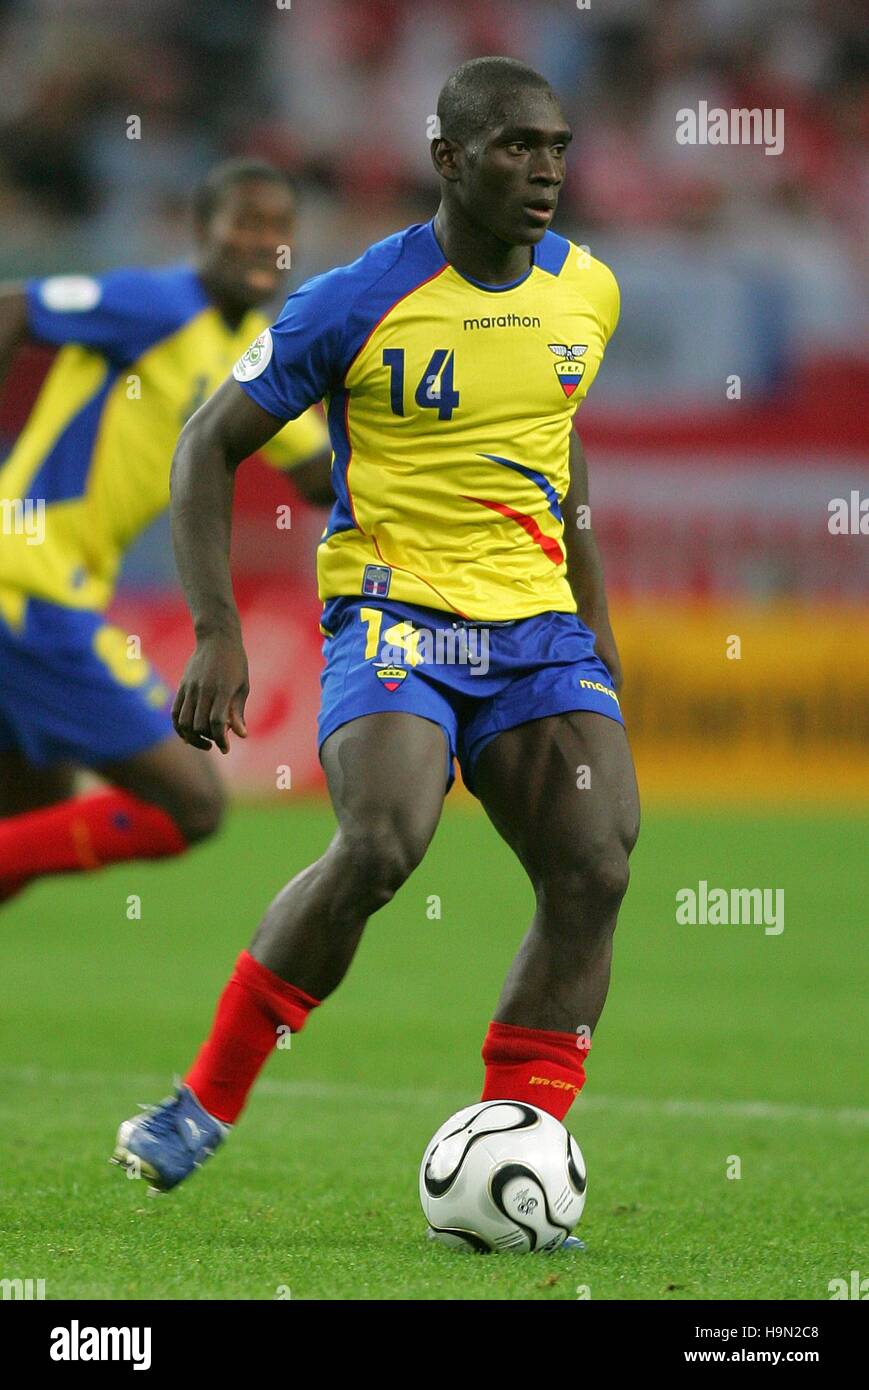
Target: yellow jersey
x,y
449,404
140,350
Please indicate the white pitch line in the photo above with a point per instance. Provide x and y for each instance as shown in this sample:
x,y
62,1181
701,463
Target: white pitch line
x,y
153,1085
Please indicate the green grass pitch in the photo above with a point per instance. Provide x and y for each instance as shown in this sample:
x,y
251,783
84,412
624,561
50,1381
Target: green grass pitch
x,y
717,1041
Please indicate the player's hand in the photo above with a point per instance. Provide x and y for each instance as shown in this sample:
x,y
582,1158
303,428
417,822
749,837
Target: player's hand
x,y
212,694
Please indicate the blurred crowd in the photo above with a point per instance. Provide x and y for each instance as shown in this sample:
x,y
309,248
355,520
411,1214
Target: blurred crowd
x,y
730,260
343,91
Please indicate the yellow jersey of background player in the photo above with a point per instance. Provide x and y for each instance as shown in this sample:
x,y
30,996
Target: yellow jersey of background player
x,y
140,350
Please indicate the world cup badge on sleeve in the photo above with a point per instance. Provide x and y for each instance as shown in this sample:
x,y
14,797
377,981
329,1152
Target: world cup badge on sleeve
x,y
254,361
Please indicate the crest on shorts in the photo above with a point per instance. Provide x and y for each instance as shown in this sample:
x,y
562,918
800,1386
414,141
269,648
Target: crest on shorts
x,y
392,676
568,368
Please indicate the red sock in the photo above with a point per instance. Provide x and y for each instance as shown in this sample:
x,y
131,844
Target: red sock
x,y
245,1031
535,1065
84,833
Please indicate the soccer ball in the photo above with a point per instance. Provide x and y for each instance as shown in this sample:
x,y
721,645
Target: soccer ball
x,y
502,1175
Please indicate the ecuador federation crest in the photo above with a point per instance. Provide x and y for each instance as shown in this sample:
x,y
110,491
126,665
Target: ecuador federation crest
x,y
392,676
568,368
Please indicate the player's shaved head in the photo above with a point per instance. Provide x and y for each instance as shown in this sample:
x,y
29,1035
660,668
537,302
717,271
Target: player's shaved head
x,y
499,154
482,93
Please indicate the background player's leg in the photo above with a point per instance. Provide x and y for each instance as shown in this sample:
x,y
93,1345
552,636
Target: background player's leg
x,y
82,701
163,799
24,787
573,841
181,780
387,775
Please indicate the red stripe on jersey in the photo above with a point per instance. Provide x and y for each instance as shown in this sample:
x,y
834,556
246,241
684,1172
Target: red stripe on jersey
x,y
550,547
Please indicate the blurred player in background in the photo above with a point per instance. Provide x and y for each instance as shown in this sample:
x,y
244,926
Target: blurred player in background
x,y
140,350
453,355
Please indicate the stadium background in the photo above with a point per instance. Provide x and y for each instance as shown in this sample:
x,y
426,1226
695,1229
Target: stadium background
x,y
712,511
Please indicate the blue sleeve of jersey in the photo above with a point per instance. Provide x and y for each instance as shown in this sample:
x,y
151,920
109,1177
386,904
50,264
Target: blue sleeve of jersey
x,y
299,360
120,314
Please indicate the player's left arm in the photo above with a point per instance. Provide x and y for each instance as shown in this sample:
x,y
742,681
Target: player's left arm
x,y
584,567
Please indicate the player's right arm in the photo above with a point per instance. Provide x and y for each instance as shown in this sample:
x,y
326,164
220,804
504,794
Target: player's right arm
x,y
226,429
13,324
286,370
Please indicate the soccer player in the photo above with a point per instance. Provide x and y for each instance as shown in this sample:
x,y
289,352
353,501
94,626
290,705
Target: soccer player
x,y
140,350
453,356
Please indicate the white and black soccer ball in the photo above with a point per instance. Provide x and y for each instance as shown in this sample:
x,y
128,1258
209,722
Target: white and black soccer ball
x,y
502,1175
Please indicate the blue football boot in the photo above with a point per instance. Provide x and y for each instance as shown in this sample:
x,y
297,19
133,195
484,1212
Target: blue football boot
x,y
168,1141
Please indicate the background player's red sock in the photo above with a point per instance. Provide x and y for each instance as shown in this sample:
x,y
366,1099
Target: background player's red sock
x,y
245,1031
84,833
535,1065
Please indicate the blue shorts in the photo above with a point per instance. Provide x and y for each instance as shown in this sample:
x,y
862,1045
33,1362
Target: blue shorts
x,y
474,679
72,689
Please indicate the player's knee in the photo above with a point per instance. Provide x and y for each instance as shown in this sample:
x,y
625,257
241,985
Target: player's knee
x,y
389,862
377,860
600,865
199,811
606,877
597,877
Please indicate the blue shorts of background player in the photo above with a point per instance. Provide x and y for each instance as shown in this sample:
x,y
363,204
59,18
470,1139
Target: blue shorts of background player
x,y
474,679
75,692
72,690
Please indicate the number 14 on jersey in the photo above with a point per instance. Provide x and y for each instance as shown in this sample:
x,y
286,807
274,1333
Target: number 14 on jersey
x,y
434,389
